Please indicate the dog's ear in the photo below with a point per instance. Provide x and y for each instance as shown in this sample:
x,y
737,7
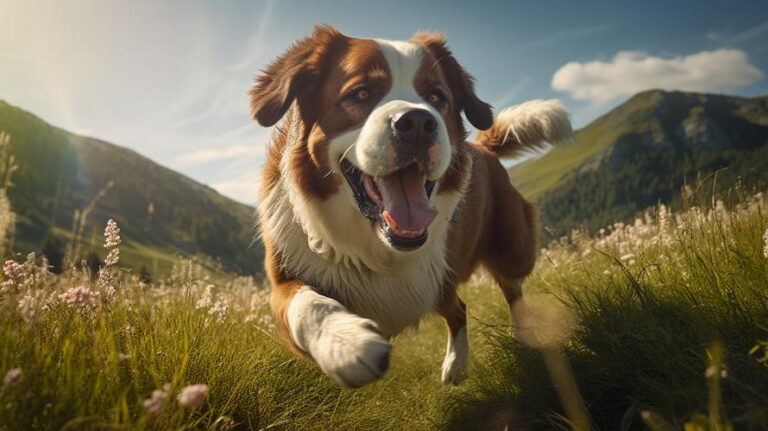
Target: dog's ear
x,y
477,111
292,74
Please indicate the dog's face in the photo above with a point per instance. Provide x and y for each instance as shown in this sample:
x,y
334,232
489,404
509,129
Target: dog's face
x,y
379,118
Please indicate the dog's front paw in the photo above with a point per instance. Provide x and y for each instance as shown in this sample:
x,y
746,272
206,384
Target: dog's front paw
x,y
351,350
456,356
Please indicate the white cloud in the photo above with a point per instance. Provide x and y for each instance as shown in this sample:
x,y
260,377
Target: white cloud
x,y
632,71
231,152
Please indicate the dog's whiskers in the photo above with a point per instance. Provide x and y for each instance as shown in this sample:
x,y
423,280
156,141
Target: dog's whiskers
x,y
347,150
331,171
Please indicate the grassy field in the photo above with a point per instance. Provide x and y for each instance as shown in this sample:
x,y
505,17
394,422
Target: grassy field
x,y
661,324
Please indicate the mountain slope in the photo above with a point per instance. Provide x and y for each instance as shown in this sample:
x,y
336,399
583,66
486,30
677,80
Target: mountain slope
x,y
161,213
642,152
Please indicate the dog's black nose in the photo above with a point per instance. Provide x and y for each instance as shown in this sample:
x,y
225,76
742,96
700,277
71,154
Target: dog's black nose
x,y
416,123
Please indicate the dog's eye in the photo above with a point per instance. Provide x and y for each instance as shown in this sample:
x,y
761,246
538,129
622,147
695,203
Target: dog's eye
x,y
436,98
360,94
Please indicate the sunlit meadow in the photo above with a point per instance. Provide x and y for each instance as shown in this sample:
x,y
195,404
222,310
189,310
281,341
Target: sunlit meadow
x,y
658,324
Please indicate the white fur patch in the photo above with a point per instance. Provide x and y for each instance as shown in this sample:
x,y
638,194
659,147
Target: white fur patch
x,y
346,347
535,122
456,356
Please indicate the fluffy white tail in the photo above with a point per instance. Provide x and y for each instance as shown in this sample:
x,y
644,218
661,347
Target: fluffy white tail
x,y
530,125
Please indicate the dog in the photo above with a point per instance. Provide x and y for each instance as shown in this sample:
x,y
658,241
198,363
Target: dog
x,y
374,206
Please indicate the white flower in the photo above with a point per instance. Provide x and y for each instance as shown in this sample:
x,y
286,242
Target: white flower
x,y
193,395
81,298
155,403
206,299
765,244
13,376
111,235
108,282
220,309
112,257
31,306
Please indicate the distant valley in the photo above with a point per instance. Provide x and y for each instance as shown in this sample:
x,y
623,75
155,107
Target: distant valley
x,y
642,153
164,216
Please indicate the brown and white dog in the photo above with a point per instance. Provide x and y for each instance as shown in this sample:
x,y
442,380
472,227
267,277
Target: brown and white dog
x,y
374,206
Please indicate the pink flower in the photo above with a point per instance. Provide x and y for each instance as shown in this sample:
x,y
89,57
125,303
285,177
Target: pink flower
x,y
192,396
155,403
13,376
16,273
81,298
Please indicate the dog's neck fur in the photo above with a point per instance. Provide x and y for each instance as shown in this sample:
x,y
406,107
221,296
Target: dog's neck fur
x,y
331,246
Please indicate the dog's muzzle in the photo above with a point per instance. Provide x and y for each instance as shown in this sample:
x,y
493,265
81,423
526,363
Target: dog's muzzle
x,y
413,136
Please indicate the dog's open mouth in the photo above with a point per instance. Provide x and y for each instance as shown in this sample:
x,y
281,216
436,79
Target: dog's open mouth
x,y
399,202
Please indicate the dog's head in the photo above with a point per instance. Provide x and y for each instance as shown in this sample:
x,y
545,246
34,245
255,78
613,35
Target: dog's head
x,y
380,118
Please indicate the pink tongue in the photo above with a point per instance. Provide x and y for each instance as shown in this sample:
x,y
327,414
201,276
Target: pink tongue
x,y
407,209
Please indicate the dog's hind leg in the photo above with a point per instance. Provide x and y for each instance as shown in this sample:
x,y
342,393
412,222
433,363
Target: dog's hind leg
x,y
512,288
454,311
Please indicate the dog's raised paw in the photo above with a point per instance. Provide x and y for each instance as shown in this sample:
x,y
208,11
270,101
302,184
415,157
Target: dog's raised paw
x,y
351,350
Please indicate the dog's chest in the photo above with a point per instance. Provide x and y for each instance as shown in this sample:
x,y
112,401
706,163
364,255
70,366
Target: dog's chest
x,y
395,300
333,249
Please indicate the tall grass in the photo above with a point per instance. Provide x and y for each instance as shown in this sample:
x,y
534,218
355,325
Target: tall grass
x,y
7,217
661,324
662,304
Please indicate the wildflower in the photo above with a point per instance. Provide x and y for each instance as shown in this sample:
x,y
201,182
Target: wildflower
x,y
765,244
13,376
720,207
267,321
192,396
112,257
206,299
155,403
107,282
627,256
220,309
81,298
224,423
111,235
123,356
15,273
31,306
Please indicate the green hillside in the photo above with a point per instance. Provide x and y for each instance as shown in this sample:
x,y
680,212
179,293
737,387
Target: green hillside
x,y
643,152
163,215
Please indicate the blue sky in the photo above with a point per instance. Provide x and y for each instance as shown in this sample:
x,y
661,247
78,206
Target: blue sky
x,y
169,79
